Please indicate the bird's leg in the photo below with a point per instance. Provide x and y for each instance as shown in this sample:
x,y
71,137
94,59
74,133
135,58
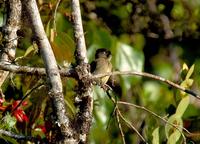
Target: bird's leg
x,y
105,87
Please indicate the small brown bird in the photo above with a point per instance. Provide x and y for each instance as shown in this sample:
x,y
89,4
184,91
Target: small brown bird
x,y
102,64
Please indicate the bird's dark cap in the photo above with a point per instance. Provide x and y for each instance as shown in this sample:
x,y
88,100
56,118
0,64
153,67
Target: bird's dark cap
x,y
102,51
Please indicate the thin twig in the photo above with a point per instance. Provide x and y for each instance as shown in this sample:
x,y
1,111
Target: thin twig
x,y
129,124
24,97
119,125
72,73
55,13
155,77
117,111
154,114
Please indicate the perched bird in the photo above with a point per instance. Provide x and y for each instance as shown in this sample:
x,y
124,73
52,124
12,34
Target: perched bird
x,y
102,64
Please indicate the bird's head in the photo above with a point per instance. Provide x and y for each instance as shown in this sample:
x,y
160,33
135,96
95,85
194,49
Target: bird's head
x,y
103,53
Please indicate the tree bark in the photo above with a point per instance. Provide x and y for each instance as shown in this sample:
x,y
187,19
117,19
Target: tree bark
x,y
12,25
84,99
55,85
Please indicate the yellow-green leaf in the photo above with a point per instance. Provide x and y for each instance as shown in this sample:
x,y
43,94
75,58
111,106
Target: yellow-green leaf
x,y
169,129
182,106
191,70
155,135
174,137
185,67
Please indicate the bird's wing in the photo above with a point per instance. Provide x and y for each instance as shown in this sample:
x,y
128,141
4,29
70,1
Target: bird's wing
x,y
93,66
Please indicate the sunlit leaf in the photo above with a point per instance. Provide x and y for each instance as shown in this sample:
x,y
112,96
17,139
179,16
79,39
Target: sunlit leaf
x,y
178,11
187,83
31,50
128,58
190,72
63,47
173,132
182,106
185,67
155,135
9,122
174,137
48,28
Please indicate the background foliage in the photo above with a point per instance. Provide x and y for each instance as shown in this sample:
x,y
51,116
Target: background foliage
x,y
155,36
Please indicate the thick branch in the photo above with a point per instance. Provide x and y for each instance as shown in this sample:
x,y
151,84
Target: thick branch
x,y
84,98
81,55
10,29
48,57
69,72
72,73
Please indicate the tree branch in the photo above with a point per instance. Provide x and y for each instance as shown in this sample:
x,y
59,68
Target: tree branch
x,y
69,72
83,99
81,52
55,85
72,73
148,75
7,53
16,136
156,115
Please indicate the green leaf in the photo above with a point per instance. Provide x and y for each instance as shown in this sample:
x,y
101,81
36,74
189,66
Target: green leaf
x,y
31,50
127,58
63,47
174,137
155,135
171,132
185,67
48,27
62,24
187,83
1,19
190,72
182,106
98,36
9,122
8,140
178,11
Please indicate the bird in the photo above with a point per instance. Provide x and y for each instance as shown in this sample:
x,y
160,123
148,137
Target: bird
x,y
102,64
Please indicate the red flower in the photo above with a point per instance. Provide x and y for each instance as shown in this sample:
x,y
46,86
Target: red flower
x,y
42,127
18,112
20,115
